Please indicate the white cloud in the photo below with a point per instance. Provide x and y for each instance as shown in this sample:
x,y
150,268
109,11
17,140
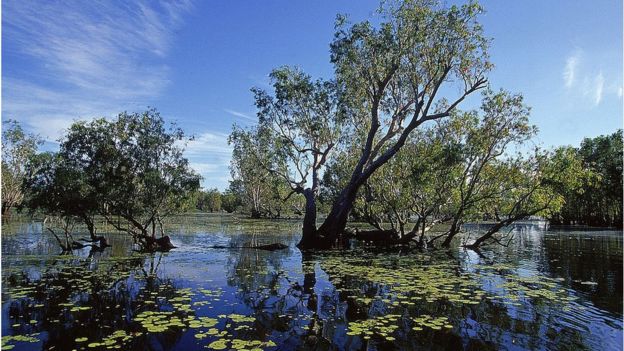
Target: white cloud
x,y
209,143
569,71
584,79
205,168
209,154
240,114
64,61
598,88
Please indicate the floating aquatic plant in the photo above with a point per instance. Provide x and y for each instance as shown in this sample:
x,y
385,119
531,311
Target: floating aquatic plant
x,y
4,344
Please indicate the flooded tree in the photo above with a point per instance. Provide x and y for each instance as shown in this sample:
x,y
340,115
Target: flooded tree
x,y
60,190
130,169
390,79
485,139
527,186
395,78
411,192
303,127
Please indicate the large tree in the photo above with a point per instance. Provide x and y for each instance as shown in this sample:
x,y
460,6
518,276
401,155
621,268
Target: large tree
x,y
418,65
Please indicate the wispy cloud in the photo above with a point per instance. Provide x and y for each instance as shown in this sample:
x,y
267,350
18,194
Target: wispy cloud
x,y
69,60
209,154
209,143
569,71
584,79
598,88
240,114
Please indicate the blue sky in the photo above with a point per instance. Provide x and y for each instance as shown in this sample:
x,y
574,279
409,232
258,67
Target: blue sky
x,y
196,61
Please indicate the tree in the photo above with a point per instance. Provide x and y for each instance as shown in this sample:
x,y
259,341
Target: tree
x,y
230,200
417,183
59,189
600,201
134,169
209,200
504,123
18,148
299,126
390,79
252,160
528,186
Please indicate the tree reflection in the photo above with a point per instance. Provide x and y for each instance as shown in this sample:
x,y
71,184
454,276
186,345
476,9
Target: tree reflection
x,y
88,298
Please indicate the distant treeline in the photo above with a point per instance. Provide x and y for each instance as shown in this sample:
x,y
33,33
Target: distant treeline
x,y
598,201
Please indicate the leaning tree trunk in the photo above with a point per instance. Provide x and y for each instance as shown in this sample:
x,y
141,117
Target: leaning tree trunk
x,y
451,234
488,234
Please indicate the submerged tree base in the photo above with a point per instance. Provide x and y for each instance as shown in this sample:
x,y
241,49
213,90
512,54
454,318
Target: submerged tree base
x,y
152,244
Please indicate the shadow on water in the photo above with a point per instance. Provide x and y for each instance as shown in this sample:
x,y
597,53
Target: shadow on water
x,y
550,289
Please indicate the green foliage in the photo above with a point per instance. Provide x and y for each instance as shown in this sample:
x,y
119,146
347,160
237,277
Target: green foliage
x,y
131,167
57,187
597,199
254,186
298,128
18,150
209,200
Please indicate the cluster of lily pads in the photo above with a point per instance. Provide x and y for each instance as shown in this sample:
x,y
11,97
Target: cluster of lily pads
x,y
382,326
435,323
4,345
402,286
114,341
406,284
239,344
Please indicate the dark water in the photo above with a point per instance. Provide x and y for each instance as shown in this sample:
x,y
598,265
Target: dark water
x,y
556,289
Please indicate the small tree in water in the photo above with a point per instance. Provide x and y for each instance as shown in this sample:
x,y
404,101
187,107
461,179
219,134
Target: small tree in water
x,y
131,168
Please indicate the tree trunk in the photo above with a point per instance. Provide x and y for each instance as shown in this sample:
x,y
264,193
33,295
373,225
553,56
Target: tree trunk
x,y
488,234
455,227
308,239
335,223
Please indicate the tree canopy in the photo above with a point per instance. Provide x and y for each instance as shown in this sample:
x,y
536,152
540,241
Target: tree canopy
x,y
131,167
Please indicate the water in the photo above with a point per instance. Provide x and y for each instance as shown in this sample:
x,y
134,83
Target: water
x,y
549,289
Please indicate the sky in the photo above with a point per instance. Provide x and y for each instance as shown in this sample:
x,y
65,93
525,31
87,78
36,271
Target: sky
x,y
196,61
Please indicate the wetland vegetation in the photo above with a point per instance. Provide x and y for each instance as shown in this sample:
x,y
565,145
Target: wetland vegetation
x,y
376,209
552,288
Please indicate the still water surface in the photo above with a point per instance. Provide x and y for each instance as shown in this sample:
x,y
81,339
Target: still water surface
x,y
550,289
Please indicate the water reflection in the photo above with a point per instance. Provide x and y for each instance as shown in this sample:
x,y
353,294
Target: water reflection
x,y
550,289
